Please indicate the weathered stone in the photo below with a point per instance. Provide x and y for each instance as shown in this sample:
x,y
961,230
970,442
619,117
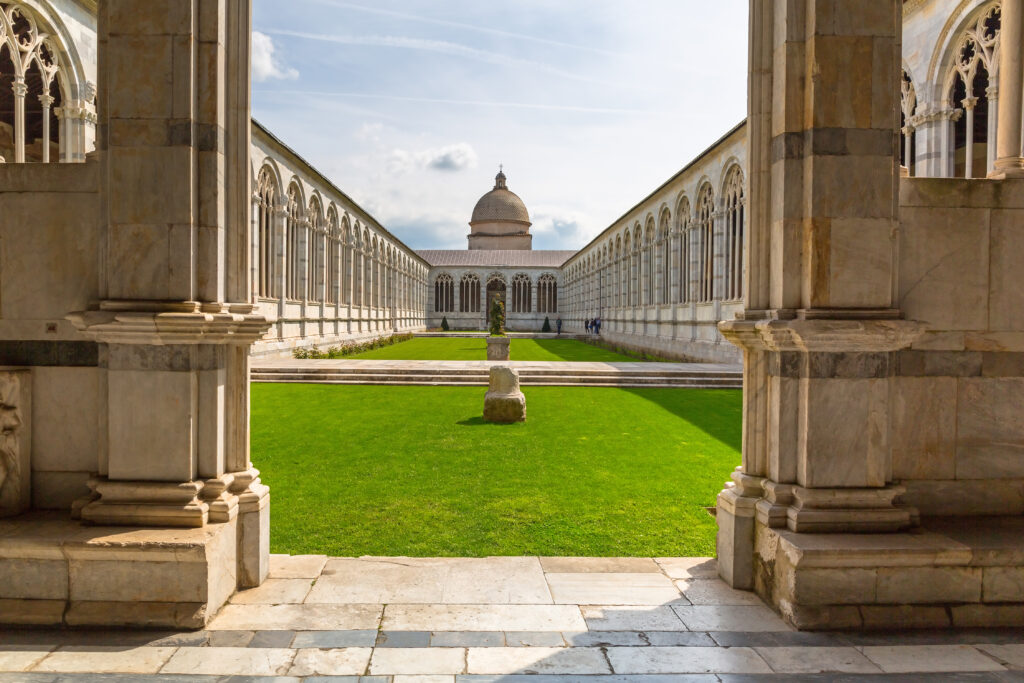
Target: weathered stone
x,y
498,348
504,402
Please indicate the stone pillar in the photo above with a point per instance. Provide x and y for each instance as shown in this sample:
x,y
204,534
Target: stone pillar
x,y
819,327
175,320
992,93
969,104
1009,161
47,102
20,90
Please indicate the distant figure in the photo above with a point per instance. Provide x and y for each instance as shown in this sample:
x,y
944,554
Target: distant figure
x,y
558,326
597,326
586,325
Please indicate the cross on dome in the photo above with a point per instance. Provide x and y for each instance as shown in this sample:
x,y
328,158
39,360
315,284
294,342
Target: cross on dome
x,y
499,180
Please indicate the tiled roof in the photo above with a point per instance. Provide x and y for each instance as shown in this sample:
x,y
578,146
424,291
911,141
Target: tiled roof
x,y
494,258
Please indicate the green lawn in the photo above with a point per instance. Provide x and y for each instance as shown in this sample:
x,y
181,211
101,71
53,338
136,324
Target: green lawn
x,y
365,470
475,348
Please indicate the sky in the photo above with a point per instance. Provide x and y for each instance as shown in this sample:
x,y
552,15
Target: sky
x,y
409,106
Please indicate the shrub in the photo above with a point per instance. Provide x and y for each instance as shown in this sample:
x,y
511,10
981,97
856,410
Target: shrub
x,y
498,319
444,324
547,325
348,348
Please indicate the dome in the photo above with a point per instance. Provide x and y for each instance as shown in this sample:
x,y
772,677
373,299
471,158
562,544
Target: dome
x,y
500,205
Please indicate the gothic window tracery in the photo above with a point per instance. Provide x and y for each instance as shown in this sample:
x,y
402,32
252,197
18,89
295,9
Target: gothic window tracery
x,y
293,235
333,288
547,294
469,294
973,71
522,293
266,193
33,87
444,294
314,251
683,216
705,244
664,270
735,209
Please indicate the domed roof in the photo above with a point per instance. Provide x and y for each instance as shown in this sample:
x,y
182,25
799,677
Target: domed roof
x,y
500,205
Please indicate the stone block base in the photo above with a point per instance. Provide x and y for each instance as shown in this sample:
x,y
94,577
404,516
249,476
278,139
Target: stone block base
x,y
505,408
952,572
498,348
54,571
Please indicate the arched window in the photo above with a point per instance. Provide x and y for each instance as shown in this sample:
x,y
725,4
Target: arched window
x,y
443,294
664,277
315,251
735,205
908,104
333,287
34,86
683,220
649,264
705,244
969,90
547,294
469,294
266,195
293,235
522,294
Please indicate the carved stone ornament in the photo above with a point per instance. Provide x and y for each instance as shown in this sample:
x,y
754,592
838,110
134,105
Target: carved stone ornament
x,y
15,446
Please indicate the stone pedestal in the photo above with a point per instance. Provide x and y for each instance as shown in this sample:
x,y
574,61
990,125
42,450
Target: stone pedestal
x,y
498,348
504,402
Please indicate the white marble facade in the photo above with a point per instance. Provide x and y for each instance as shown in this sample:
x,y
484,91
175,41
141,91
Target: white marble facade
x,y
324,270
660,277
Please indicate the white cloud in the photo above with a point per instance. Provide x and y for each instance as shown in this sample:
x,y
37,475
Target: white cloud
x,y
450,158
265,65
555,228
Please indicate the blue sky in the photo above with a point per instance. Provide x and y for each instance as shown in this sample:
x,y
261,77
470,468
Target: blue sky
x,y
410,105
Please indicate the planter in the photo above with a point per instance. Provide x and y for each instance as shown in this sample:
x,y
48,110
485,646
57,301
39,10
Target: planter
x,y
497,348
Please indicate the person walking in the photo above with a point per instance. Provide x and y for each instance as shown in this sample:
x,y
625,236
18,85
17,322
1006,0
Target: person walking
x,y
597,326
558,326
586,325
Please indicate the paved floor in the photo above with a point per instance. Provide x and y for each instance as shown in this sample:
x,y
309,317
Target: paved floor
x,y
514,619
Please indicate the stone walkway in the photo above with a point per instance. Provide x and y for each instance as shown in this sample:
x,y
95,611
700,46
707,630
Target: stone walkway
x,y
510,619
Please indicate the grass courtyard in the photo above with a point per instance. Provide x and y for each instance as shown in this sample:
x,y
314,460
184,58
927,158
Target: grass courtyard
x,y
370,470
475,348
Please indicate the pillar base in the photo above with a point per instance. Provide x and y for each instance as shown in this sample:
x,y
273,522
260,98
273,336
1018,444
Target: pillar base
x,y
953,572
832,510
58,572
1007,168
144,503
735,538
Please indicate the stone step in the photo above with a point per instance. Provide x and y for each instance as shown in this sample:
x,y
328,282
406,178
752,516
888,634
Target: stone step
x,y
437,383
482,380
483,372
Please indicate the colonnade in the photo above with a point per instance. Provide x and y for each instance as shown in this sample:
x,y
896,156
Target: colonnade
x,y
330,274
670,277
962,124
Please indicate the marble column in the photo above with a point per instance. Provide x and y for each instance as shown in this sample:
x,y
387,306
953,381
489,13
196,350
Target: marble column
x,y
992,93
20,90
969,104
46,101
176,319
819,329
1009,160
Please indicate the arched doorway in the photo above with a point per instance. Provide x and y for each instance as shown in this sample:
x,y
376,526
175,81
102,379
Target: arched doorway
x,y
495,291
